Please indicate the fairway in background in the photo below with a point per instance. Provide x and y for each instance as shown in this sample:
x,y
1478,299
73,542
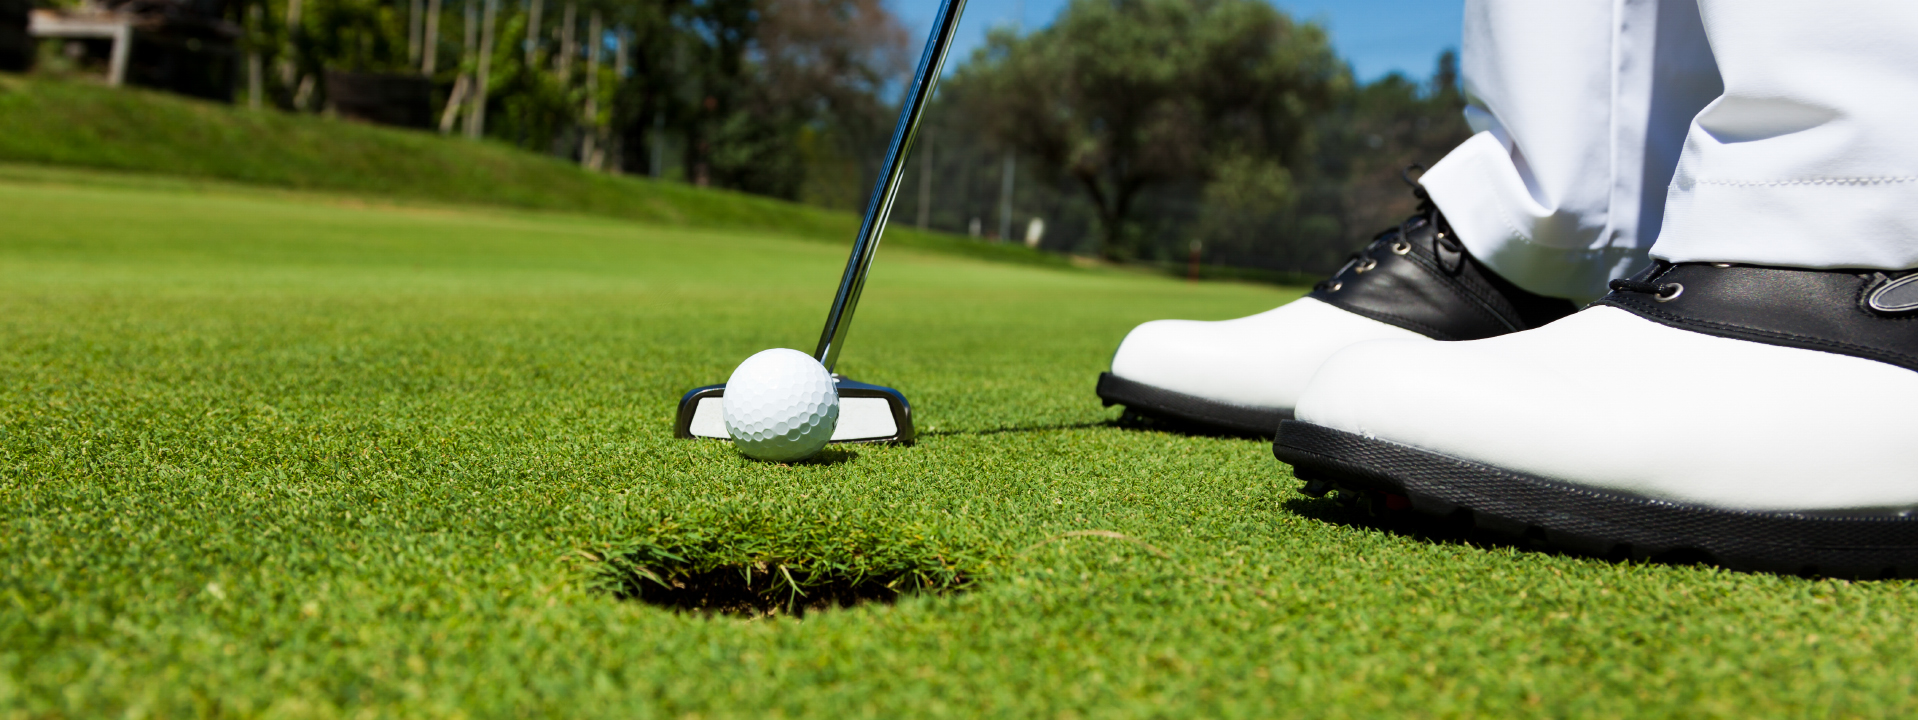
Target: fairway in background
x,y
54,127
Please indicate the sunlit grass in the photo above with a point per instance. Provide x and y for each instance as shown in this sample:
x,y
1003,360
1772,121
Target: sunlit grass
x,y
282,455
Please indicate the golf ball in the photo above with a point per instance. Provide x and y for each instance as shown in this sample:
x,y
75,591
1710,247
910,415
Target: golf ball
x,y
781,405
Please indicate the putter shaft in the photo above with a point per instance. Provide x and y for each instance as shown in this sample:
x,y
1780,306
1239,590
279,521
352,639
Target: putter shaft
x,y
879,207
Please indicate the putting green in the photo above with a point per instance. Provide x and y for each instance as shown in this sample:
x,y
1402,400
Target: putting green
x,y
302,456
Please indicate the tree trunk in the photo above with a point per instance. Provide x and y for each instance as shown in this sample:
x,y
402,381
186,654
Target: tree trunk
x,y
615,141
292,16
567,20
253,79
477,127
414,16
289,62
430,45
303,97
254,70
469,10
453,102
1121,210
657,155
589,142
622,60
532,33
1110,208
468,41
1109,236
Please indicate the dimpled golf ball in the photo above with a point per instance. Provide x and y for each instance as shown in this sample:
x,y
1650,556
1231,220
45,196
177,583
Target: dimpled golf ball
x,y
781,405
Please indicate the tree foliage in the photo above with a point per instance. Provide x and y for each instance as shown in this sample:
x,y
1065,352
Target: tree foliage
x,y
1121,96
730,83
1137,126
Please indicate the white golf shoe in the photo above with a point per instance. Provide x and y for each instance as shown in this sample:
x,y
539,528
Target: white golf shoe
x,y
1761,416
1242,375
1415,282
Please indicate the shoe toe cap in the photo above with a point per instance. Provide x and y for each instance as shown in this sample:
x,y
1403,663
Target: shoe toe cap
x,y
1262,360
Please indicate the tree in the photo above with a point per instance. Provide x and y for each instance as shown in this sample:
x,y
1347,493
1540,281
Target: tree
x,y
1123,96
1390,124
828,65
741,81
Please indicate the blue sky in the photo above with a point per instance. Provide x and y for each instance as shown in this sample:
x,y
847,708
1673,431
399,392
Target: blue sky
x,y
1376,36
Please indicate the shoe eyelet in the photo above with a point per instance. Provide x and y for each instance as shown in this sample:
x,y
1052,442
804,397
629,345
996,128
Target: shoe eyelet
x,y
1401,247
1334,287
1365,266
1675,288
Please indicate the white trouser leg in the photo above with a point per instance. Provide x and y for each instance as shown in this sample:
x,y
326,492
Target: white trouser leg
x,y
1810,158
1582,108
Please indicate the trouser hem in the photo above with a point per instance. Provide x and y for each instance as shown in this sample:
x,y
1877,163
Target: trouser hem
x,y
1494,215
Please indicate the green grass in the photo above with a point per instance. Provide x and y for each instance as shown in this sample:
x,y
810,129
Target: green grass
x,y
59,125
279,455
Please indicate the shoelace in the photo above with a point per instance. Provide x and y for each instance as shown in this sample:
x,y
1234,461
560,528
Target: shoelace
x,y
1661,292
1442,238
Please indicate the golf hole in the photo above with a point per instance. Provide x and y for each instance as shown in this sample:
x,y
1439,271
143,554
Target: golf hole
x,y
783,585
763,592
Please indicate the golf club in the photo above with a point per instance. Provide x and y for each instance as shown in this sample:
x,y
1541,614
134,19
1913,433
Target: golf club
x,y
867,413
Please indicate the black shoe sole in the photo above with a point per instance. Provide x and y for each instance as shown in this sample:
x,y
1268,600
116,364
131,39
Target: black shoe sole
x,y
1146,399
1603,524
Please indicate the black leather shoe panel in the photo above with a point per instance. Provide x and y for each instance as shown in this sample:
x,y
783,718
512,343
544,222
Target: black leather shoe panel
x,y
1419,278
1848,312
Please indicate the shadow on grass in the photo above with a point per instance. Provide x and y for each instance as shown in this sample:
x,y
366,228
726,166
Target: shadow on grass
x,y
1392,514
832,455
1373,511
1025,429
1128,421
1134,420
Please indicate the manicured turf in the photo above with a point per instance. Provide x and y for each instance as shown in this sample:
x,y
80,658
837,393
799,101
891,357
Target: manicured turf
x,y
293,456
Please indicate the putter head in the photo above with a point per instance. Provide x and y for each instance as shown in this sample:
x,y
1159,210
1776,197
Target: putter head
x,y
867,414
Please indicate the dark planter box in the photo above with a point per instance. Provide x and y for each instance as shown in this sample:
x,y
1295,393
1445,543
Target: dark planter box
x,y
192,59
16,46
385,99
